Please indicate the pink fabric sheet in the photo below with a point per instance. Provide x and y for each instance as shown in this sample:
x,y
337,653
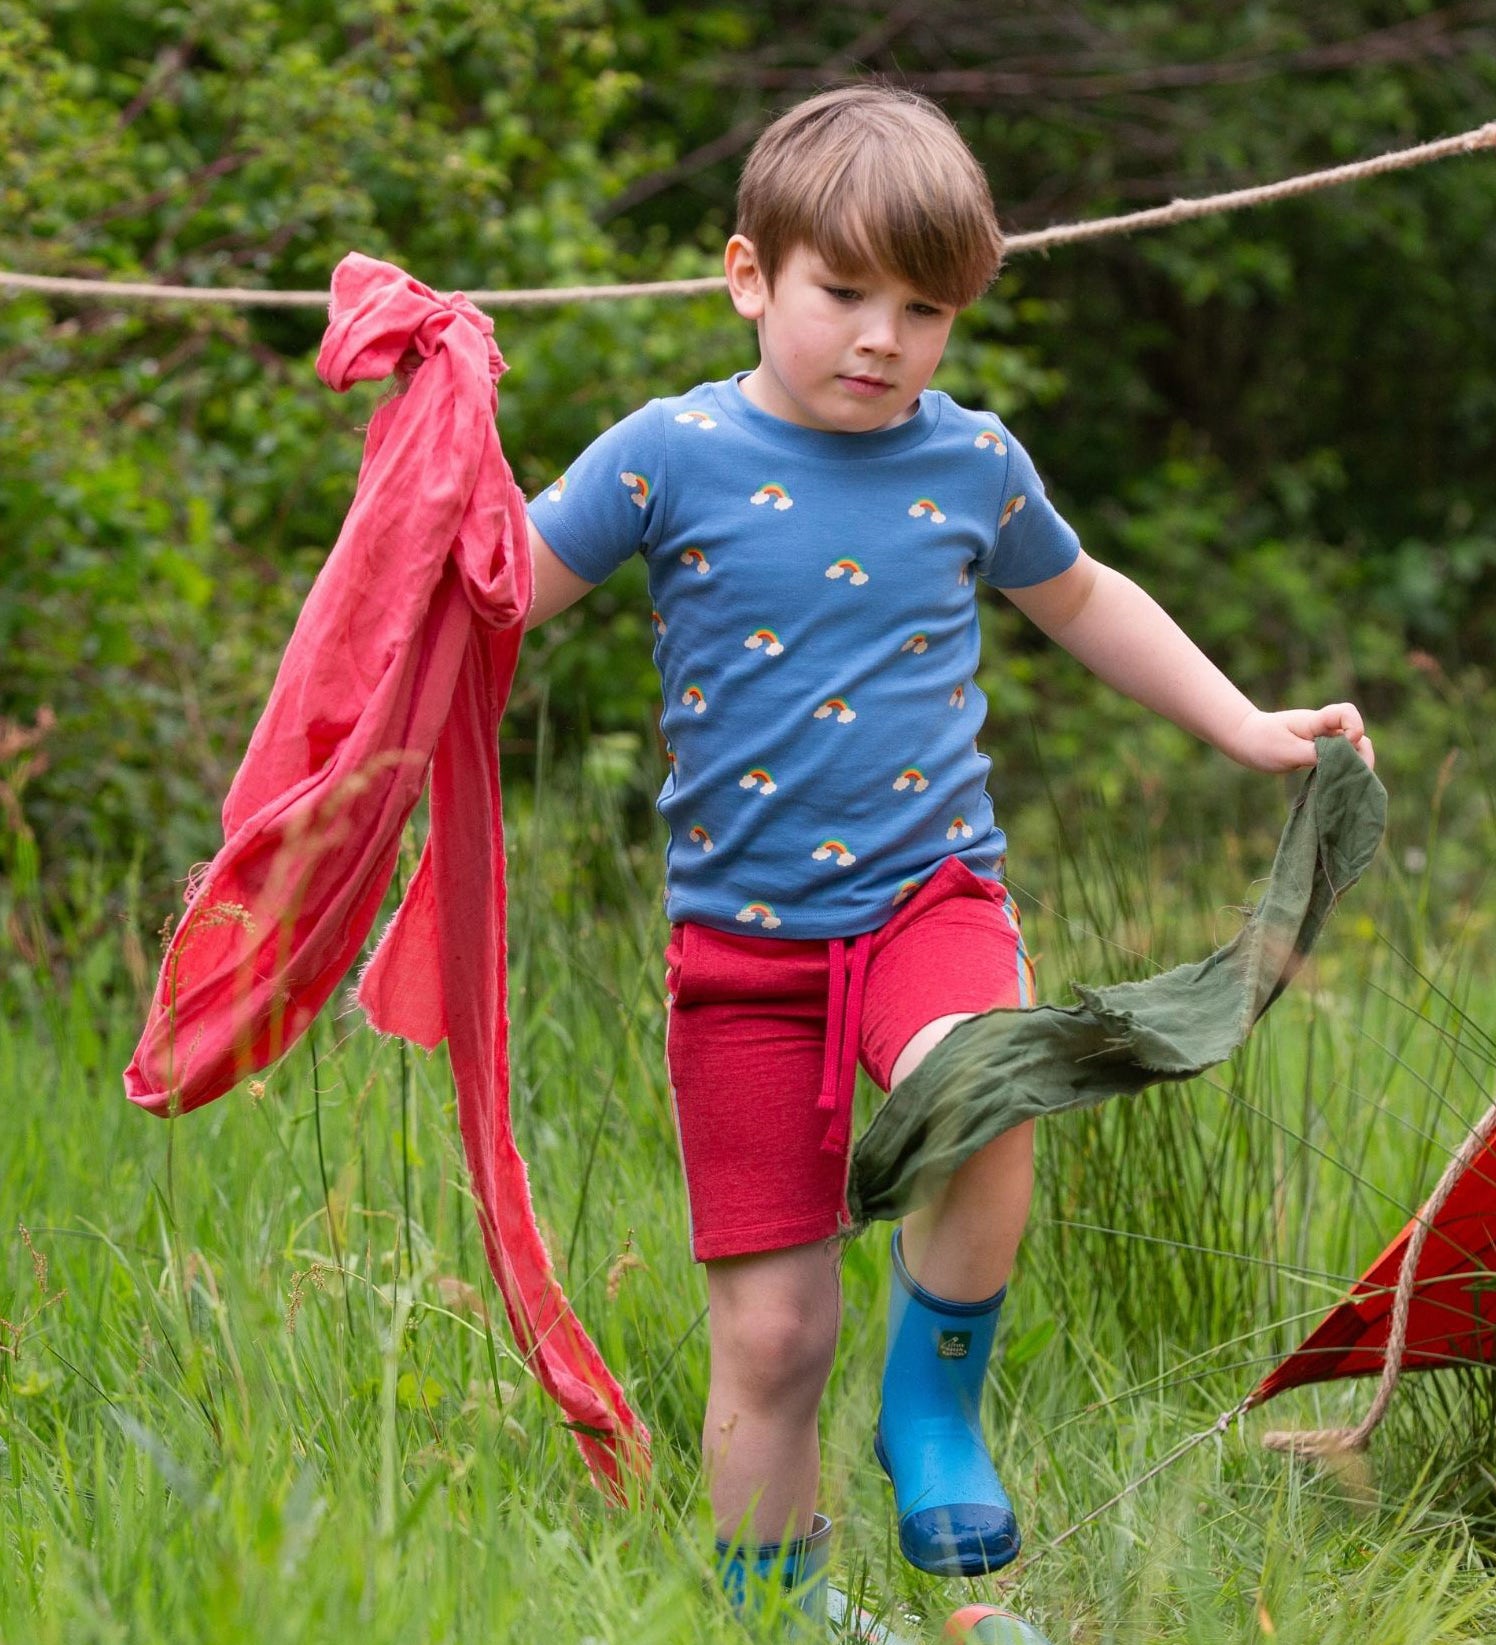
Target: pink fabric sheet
x,y
398,670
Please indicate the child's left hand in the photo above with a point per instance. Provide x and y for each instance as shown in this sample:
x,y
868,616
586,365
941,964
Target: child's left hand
x,y
1285,741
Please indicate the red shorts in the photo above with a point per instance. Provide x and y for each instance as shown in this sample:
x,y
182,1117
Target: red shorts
x,y
764,1035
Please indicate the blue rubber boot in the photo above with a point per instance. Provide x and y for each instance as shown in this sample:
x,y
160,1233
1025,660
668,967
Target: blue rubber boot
x,y
954,1516
799,1567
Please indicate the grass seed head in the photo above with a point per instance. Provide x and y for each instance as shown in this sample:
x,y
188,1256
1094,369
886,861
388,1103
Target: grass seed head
x,y
38,1259
625,1261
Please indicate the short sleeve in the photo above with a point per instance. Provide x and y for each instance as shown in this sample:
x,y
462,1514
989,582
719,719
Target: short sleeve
x,y
1032,542
609,504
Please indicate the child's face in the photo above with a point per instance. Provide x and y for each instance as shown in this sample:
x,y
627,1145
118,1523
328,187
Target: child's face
x,y
845,354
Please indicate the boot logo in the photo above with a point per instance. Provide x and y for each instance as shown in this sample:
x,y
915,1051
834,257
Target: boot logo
x,y
954,1344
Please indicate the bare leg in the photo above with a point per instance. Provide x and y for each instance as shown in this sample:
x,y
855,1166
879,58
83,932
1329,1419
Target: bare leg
x,y
774,1319
950,1262
963,1243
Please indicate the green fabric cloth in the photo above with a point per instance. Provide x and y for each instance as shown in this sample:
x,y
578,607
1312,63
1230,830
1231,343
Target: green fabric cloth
x,y
1004,1067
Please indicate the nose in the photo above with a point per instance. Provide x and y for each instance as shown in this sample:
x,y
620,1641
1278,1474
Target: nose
x,y
880,331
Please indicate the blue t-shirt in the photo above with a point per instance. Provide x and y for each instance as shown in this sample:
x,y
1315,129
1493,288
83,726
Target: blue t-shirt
x,y
817,638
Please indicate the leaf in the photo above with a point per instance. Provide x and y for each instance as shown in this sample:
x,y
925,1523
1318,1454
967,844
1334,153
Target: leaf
x,y
1029,1344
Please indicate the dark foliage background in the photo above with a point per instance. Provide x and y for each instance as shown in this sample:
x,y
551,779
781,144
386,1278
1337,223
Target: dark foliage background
x,y
1277,421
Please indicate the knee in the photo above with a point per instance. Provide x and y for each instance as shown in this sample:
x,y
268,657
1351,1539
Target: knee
x,y
775,1356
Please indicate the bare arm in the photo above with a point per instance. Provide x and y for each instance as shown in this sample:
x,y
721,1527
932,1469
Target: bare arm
x,y
1127,639
556,584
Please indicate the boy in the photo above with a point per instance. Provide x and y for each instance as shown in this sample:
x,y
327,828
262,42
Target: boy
x,y
814,529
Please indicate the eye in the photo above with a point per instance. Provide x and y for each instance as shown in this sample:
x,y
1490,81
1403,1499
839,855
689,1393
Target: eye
x,y
926,311
843,294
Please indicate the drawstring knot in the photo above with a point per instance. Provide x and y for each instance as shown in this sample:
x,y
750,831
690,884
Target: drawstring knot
x,y
844,995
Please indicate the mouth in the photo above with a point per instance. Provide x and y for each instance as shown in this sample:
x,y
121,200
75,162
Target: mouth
x,y
866,386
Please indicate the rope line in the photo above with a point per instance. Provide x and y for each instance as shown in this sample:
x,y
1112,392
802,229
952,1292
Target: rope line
x,y
1215,1431
1062,234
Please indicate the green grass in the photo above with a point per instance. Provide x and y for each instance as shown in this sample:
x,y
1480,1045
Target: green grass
x,y
249,1390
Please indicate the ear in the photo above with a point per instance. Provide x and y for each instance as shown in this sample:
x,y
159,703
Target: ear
x,y
745,277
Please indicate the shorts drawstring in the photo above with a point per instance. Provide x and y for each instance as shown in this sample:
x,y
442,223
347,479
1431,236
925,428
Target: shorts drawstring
x,y
844,996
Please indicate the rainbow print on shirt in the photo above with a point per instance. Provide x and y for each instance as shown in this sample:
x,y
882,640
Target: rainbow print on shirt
x,y
959,826
957,698
659,623
558,488
839,706
758,779
927,509
694,557
919,644
766,638
906,890
834,848
751,911
772,493
990,440
912,777
699,836
694,699
638,486
849,569
699,418
1015,505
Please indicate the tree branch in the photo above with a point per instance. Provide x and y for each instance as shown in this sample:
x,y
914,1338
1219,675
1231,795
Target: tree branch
x,y
1429,36
168,66
214,169
737,137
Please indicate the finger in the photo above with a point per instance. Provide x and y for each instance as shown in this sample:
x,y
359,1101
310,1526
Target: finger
x,y
1289,745
1367,752
1339,718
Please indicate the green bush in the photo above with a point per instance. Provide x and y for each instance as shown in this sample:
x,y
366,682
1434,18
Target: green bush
x,y
1276,421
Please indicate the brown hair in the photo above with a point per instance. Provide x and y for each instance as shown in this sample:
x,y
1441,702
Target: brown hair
x,y
871,176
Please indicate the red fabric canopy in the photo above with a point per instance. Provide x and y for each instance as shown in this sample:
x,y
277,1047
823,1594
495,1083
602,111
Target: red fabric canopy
x,y
1453,1316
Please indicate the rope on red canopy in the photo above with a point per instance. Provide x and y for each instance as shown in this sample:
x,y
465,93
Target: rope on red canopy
x,y
1327,1442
